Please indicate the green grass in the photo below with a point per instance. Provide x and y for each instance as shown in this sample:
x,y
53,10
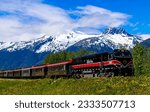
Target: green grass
x,y
83,86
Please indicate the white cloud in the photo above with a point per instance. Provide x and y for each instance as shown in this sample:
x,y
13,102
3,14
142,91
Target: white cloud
x,y
24,20
97,17
145,36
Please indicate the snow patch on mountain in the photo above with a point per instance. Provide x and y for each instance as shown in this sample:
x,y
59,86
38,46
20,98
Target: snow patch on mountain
x,y
63,41
111,38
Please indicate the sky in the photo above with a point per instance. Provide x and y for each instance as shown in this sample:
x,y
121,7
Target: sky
x,y
28,19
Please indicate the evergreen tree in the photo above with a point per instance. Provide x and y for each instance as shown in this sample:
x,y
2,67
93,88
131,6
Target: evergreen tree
x,y
47,59
82,52
138,59
146,62
64,56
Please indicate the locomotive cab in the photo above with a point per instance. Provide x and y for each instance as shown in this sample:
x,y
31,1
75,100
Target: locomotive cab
x,y
125,58
122,54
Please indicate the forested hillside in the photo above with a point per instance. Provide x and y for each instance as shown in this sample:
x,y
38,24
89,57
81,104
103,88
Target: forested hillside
x,y
64,56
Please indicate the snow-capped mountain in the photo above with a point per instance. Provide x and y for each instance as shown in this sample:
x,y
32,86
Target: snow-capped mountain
x,y
32,52
63,41
111,38
115,36
46,43
120,37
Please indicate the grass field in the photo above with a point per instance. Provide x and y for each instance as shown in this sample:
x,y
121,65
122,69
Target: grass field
x,y
83,86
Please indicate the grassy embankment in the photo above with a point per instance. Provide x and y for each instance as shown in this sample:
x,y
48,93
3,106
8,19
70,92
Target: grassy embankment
x,y
103,85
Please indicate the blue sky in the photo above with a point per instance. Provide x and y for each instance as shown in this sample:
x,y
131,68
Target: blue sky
x,y
27,19
138,9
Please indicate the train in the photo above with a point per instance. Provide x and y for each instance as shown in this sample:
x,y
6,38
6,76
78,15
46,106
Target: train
x,y
117,63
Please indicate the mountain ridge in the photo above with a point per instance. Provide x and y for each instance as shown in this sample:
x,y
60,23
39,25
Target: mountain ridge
x,y
28,53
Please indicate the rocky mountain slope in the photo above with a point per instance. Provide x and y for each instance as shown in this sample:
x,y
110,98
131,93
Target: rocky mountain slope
x,y
146,43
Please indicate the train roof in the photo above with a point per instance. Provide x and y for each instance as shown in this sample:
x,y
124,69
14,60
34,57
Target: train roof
x,y
60,63
120,50
91,55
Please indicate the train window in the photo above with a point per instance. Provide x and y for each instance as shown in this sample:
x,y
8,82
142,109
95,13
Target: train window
x,y
57,68
38,70
117,54
17,72
127,54
25,71
5,74
1,73
122,53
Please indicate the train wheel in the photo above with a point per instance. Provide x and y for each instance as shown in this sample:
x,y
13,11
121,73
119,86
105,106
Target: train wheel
x,y
109,74
112,74
76,76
